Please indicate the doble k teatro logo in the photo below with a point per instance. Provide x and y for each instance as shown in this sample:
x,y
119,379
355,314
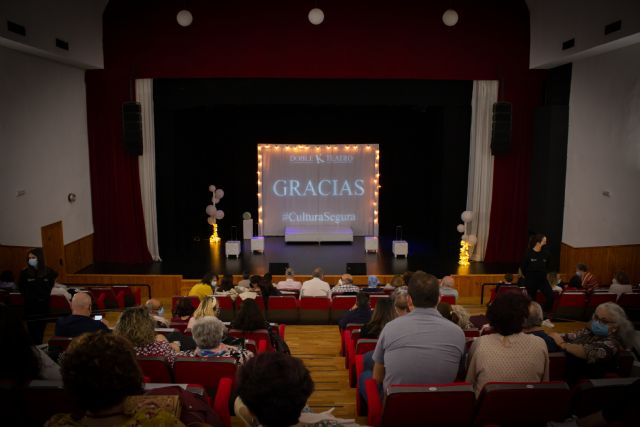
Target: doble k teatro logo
x,y
321,158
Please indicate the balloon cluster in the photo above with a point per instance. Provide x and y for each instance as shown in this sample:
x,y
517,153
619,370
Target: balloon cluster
x,y
215,214
466,217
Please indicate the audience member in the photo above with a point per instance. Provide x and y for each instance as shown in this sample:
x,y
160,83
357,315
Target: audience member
x,y
406,277
99,372
243,284
208,307
620,284
249,317
591,352
533,325
372,285
400,298
183,310
588,281
35,284
345,286
156,310
359,313
273,389
7,282
508,354
396,282
138,327
226,288
507,279
206,286
382,314
554,281
207,333
447,287
316,287
79,321
575,282
444,308
289,283
420,347
461,317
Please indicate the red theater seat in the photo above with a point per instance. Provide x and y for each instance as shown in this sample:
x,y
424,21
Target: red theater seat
x,y
58,304
373,300
283,309
227,308
156,369
595,300
206,371
257,336
631,304
571,305
349,327
340,304
362,346
449,299
195,301
590,396
314,310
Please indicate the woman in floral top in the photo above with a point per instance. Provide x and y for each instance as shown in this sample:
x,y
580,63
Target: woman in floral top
x,y
207,333
138,326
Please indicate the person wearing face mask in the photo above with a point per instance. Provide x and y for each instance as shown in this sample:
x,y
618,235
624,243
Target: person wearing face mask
x,y
591,352
588,280
534,267
156,311
205,288
35,284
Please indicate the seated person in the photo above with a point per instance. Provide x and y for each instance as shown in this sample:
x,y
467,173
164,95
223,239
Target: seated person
x,y
226,287
183,311
138,327
533,325
447,287
382,314
345,286
99,372
156,310
554,281
400,298
208,307
359,313
79,321
315,287
591,352
273,389
206,286
207,333
588,281
620,284
395,282
249,317
289,283
461,317
372,285
243,284
507,355
507,279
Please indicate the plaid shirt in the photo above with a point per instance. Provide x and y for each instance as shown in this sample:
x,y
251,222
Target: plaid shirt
x,y
341,289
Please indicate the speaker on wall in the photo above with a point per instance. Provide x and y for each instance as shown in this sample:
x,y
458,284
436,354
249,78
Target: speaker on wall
x,y
132,128
357,268
501,128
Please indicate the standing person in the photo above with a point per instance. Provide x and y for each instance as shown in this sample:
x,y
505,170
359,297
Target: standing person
x,y
35,284
534,268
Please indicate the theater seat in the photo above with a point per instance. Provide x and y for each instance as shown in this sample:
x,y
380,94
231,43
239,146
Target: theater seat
x,y
156,369
283,309
571,305
314,310
257,336
206,371
593,395
595,300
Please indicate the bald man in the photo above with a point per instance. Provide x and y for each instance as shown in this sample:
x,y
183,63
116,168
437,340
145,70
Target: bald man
x,y
154,306
79,321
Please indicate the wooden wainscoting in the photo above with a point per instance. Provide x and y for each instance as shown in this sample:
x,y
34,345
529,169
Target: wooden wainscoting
x,y
14,259
603,261
79,254
161,286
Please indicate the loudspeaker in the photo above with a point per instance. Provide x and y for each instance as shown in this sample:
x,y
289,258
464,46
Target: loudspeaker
x,y
357,268
132,128
501,128
278,268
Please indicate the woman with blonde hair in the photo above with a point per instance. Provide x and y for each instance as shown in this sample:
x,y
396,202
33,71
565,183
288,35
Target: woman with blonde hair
x,y
208,307
138,327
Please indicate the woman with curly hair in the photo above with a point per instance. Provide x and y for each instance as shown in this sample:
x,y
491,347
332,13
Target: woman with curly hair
x,y
136,325
99,373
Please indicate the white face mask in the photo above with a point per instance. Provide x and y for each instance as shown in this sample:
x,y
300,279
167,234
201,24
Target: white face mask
x,y
33,262
213,283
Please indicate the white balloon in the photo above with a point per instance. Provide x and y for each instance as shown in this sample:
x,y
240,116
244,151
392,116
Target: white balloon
x,y
211,220
316,16
464,238
219,214
460,228
467,216
215,200
184,18
212,188
473,239
450,17
211,210
219,193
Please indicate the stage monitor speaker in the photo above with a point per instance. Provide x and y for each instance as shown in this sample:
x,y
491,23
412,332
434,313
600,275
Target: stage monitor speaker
x,y
357,268
132,128
278,268
501,128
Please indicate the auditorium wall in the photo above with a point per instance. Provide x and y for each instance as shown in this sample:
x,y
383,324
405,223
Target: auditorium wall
x,y
603,154
43,124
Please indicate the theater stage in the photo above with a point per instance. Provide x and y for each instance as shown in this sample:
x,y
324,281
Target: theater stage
x,y
198,257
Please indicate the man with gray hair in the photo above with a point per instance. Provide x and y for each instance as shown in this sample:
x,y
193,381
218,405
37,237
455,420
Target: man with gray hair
x,y
400,298
316,287
207,333
533,325
289,284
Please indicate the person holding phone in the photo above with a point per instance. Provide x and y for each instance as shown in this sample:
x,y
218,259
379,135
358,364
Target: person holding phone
x,y
80,321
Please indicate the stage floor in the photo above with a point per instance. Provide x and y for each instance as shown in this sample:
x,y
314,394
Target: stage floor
x,y
200,256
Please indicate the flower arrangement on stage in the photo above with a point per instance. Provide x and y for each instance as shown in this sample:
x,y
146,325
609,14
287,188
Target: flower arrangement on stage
x,y
467,241
215,214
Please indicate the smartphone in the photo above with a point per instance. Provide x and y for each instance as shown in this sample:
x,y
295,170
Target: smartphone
x,y
97,317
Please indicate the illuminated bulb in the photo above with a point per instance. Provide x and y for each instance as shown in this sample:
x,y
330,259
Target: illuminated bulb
x,y
317,148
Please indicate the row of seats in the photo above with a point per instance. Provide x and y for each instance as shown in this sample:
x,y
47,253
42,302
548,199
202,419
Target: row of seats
x,y
291,310
521,404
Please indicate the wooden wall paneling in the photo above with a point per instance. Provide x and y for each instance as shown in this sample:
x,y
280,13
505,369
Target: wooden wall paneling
x,y
53,248
79,254
603,261
13,258
161,286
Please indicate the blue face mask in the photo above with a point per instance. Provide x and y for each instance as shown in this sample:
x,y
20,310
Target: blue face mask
x,y
33,262
600,329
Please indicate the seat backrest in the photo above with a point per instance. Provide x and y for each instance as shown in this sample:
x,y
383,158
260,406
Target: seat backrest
x,y
195,301
471,332
503,289
157,369
592,395
449,299
283,303
373,300
46,398
630,300
343,302
557,366
522,404
420,405
124,295
103,297
58,304
206,371
315,303
257,336
364,345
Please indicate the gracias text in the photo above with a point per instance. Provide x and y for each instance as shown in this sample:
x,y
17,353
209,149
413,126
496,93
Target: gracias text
x,y
324,187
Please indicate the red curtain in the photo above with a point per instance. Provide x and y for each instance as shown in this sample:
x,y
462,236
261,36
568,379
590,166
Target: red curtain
x,y
118,221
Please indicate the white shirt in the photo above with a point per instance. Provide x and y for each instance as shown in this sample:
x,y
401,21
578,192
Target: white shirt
x,y
315,288
289,285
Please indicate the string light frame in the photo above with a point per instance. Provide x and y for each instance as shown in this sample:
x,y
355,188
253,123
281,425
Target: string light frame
x,y
324,149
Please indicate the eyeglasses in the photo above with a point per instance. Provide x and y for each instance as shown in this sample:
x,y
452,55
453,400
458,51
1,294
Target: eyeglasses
x,y
601,319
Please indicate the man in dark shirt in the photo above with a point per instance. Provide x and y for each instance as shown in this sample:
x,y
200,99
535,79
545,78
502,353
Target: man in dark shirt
x,y
80,320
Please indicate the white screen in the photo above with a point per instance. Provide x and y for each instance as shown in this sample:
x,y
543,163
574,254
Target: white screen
x,y
308,185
